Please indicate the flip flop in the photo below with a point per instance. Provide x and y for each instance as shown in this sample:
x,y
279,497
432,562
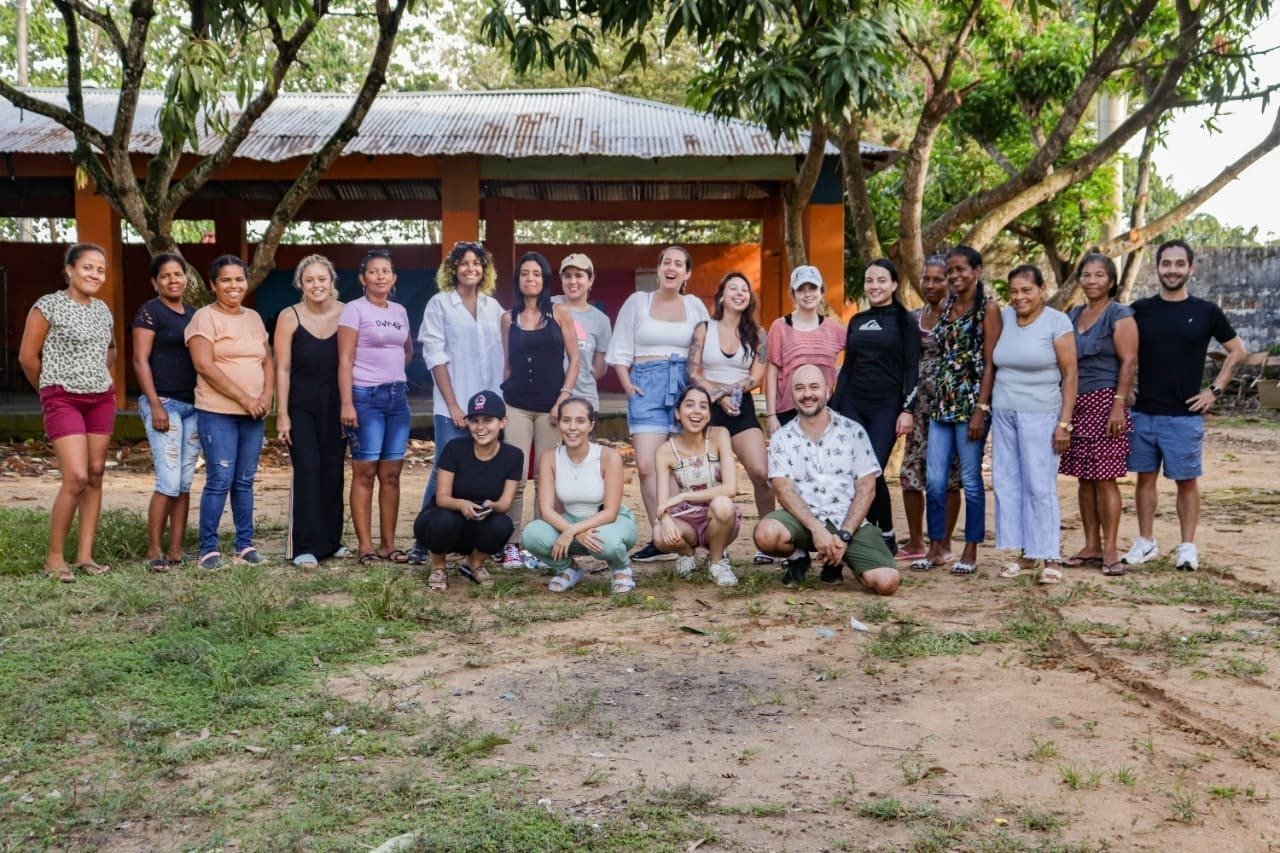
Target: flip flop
x,y
62,575
910,556
395,555
479,575
1079,561
762,559
369,559
159,565
437,581
92,568
1114,570
960,567
921,565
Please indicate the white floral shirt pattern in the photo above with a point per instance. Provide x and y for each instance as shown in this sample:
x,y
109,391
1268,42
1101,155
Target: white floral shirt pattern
x,y
824,472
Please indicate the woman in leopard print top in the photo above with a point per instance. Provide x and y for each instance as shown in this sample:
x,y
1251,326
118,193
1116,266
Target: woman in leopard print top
x,y
68,347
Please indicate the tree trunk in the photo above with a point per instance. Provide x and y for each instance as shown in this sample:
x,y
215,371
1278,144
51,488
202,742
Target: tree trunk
x,y
796,195
857,198
1138,213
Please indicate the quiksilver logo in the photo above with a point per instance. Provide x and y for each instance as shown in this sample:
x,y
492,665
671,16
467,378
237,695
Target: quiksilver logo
x,y
870,326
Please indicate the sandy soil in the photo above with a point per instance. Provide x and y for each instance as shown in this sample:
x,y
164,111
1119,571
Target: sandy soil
x,y
1157,693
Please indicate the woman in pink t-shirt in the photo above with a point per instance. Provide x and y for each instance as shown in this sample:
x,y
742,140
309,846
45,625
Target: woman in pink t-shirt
x,y
373,348
802,337
235,382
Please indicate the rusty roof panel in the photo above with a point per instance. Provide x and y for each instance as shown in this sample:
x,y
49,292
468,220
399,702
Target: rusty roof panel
x,y
514,124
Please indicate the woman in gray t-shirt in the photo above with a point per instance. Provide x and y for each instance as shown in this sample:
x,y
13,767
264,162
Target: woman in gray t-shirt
x,y
1107,346
1031,407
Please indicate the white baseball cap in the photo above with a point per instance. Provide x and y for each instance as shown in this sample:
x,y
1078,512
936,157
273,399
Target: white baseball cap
x,y
805,275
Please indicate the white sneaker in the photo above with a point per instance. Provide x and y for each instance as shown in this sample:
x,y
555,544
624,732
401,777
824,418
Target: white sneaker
x,y
1186,557
722,573
685,564
1142,551
511,558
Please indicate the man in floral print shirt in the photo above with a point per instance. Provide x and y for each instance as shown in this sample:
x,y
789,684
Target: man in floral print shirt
x,y
823,472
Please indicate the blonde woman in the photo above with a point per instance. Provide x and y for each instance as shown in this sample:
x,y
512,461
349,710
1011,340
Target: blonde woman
x,y
309,407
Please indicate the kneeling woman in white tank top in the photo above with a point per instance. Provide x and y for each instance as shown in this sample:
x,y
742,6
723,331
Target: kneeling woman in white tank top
x,y
698,510
580,499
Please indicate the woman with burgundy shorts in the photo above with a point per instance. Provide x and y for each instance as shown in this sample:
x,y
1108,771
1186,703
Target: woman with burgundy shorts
x,y
1107,354
67,349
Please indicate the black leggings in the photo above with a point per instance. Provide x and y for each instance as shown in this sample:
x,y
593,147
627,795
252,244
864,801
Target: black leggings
x,y
445,531
880,420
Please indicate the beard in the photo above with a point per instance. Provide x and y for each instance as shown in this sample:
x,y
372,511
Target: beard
x,y
1179,282
809,408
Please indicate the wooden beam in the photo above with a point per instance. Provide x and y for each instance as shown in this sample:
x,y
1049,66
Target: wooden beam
x,y
500,236
96,222
229,231
637,210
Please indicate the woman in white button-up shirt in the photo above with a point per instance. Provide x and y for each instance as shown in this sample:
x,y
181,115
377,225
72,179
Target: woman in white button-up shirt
x,y
461,342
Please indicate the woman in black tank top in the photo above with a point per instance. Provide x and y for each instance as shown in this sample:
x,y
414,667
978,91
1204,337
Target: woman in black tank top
x,y
308,421
541,367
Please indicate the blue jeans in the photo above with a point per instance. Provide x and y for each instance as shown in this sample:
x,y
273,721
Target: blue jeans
x,y
174,452
445,432
382,412
944,440
654,410
232,444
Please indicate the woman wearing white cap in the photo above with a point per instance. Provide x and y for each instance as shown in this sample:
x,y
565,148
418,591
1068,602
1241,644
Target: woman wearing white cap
x,y
802,337
592,325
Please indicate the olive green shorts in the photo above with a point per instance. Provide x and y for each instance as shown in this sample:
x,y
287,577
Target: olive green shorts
x,y
867,551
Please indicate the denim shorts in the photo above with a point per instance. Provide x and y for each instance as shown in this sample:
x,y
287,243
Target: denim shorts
x,y
382,412
654,411
174,452
1175,440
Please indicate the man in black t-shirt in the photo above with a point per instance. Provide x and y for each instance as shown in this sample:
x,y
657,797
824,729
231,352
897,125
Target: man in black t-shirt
x,y
1174,330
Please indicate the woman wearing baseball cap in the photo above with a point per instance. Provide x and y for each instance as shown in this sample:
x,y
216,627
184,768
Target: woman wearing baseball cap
x,y
476,482
804,336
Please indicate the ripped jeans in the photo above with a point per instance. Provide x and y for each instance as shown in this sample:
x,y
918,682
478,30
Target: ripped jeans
x,y
232,444
174,452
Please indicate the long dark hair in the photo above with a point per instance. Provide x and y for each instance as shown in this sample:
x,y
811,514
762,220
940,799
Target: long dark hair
x,y
691,389
544,297
748,328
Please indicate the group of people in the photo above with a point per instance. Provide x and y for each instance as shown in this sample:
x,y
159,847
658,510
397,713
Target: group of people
x,y
1091,393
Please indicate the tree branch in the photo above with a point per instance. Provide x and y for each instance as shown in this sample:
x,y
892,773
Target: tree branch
x,y
855,190
263,262
77,125
796,194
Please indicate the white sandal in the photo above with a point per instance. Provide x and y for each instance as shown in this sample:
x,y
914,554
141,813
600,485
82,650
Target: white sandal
x,y
1050,574
623,581
565,580
1013,570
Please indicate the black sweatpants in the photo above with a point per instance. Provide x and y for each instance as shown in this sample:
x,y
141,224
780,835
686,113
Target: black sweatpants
x,y
880,420
316,505
445,531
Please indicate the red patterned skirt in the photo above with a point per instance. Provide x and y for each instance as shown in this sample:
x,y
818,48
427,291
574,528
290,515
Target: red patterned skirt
x,y
1094,455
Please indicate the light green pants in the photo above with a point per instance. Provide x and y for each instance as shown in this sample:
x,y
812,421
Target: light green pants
x,y
616,539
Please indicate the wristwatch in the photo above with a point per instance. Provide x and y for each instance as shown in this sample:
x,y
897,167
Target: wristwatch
x,y
1068,427
845,536
1217,392
984,407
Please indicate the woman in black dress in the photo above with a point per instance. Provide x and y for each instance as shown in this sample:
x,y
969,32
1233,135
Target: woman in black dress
x,y
308,420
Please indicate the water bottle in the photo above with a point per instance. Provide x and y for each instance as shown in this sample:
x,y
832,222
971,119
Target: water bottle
x,y
735,398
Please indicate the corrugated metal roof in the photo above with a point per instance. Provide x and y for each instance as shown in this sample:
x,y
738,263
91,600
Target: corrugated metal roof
x,y
514,124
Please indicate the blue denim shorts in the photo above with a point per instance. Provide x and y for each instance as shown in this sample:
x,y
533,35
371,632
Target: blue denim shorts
x,y
382,412
654,411
173,453
1175,440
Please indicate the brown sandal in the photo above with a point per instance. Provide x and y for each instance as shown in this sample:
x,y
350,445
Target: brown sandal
x,y
1114,570
62,575
92,568
437,581
1079,561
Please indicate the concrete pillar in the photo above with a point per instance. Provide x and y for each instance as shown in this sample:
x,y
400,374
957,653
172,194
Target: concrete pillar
x,y
460,202
775,277
500,240
824,234
97,222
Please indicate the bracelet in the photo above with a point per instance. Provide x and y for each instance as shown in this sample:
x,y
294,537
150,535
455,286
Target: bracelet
x,y
1119,398
984,407
566,390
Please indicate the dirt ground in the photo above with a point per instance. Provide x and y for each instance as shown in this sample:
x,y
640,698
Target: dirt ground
x,y
1146,716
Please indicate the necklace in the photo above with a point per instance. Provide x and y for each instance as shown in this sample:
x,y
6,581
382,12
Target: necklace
x,y
575,468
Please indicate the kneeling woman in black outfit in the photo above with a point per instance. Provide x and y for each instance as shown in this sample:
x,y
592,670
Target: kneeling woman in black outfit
x,y
475,485
877,382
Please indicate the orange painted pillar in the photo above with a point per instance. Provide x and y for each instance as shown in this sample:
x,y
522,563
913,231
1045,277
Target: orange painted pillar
x,y
500,240
824,229
97,222
459,201
775,276
229,233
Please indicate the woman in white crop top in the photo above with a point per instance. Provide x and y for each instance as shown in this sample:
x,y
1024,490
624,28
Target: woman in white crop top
x,y
697,480
728,359
648,352
580,499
